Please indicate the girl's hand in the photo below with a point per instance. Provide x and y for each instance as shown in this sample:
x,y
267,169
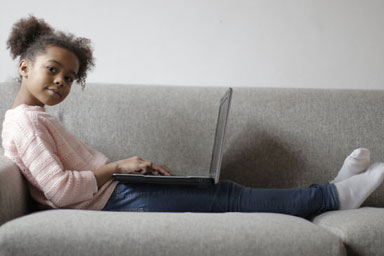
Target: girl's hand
x,y
158,169
136,165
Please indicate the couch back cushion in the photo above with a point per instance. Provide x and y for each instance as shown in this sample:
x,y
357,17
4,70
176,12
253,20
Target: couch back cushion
x,y
276,137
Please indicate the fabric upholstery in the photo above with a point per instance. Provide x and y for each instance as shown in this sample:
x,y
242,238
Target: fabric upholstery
x,y
276,138
14,196
80,232
362,230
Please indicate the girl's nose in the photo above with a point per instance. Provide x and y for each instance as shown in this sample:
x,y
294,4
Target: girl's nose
x,y
59,81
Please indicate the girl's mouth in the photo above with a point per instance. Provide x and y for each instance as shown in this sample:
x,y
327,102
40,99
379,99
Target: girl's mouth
x,y
54,92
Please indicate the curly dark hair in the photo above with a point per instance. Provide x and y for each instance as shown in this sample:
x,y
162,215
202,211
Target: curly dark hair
x,y
30,36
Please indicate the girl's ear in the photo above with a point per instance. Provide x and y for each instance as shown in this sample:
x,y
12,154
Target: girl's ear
x,y
24,67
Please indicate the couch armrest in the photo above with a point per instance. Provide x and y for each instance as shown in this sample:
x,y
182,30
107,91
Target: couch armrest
x,y
14,196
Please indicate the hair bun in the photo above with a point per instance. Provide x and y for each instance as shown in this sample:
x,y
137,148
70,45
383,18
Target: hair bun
x,y
24,34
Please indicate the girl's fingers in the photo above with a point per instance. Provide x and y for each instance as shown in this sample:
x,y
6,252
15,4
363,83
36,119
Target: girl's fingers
x,y
170,172
146,167
147,163
143,170
163,170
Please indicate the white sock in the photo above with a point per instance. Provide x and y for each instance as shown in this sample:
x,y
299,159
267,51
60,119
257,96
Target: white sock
x,y
355,163
355,190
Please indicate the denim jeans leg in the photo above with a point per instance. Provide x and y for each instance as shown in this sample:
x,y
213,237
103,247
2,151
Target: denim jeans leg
x,y
298,202
170,198
226,196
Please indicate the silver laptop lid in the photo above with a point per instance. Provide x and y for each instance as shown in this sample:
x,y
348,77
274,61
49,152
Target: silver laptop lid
x,y
217,152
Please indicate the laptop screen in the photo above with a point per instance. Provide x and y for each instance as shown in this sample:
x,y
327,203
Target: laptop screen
x,y
217,152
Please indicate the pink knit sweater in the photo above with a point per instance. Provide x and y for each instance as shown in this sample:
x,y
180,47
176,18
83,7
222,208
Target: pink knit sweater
x,y
56,164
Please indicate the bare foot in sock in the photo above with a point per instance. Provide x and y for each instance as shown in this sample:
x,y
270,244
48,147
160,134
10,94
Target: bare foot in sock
x,y
355,163
355,190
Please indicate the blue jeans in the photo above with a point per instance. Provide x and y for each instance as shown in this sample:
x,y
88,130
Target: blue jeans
x,y
226,196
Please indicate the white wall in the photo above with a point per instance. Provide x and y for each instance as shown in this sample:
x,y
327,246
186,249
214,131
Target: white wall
x,y
273,43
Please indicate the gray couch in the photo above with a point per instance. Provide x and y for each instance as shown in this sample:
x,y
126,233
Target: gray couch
x,y
277,138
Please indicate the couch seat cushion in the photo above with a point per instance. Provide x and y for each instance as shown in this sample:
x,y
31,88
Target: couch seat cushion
x,y
362,230
78,232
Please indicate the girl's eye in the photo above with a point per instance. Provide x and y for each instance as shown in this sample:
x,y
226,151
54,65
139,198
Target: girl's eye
x,y
51,69
69,79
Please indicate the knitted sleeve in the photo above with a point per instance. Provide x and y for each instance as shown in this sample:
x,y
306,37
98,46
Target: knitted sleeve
x,y
45,170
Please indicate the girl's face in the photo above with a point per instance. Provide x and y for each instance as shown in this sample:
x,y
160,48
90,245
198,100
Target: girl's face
x,y
48,79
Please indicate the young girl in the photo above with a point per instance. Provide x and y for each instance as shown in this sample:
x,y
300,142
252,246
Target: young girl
x,y
63,172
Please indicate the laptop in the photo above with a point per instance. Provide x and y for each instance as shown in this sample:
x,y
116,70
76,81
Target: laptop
x,y
216,159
